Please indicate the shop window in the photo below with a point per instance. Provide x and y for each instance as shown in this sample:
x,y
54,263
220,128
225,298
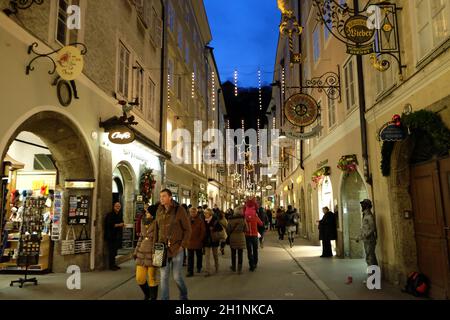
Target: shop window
x,y
432,21
123,74
43,162
350,84
152,110
331,112
138,85
156,30
63,35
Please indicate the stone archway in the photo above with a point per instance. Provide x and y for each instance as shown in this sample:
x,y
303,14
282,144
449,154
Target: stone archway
x,y
73,161
126,174
353,190
405,249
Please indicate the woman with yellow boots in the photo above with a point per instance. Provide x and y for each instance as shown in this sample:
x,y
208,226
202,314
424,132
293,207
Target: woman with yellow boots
x,y
143,255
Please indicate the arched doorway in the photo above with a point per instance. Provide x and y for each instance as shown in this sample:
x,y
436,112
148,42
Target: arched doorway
x,y
72,160
325,192
353,190
124,187
419,183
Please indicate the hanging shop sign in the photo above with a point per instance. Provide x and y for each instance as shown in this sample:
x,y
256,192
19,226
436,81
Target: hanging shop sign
x,y
186,193
356,30
301,110
69,63
392,130
269,187
121,135
173,188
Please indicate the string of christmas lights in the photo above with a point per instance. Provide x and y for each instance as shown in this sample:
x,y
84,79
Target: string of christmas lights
x,y
235,83
282,80
213,90
193,85
260,90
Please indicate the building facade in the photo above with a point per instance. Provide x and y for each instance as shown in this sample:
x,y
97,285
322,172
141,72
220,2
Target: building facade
x,y
410,233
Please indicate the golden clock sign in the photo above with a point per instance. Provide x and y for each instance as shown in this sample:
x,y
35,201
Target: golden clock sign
x,y
301,110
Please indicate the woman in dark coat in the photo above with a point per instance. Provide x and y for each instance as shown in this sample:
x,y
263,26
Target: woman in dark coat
x,y
327,232
143,254
236,231
113,234
195,245
212,225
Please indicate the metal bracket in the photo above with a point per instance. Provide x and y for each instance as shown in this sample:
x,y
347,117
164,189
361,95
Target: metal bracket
x,y
15,5
29,67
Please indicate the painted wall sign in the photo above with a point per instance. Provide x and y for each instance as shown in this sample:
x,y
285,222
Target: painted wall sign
x,y
392,132
69,63
121,135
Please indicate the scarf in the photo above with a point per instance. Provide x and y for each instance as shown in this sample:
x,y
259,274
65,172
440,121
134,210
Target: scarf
x,y
208,220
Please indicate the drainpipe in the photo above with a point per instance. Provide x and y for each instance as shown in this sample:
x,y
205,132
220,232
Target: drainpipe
x,y
362,111
161,116
300,77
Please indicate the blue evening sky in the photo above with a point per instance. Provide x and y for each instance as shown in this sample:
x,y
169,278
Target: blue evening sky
x,y
245,35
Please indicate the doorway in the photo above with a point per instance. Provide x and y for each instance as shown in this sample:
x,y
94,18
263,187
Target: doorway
x,y
430,193
353,191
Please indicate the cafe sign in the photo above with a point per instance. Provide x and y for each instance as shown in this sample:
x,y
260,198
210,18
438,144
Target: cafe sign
x,y
69,63
121,135
357,31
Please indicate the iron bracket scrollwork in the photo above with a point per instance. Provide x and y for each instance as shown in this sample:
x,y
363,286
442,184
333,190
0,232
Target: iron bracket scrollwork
x,y
16,5
34,45
330,83
384,42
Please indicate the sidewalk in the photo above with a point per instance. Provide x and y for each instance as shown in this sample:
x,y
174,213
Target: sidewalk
x,y
94,285
330,274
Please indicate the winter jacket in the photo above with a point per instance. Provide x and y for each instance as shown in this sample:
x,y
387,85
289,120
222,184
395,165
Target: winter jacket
x,y
290,215
236,231
175,221
368,227
281,219
144,248
198,233
253,221
212,226
327,227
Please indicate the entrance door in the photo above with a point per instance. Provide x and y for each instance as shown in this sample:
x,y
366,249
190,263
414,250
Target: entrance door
x,y
429,202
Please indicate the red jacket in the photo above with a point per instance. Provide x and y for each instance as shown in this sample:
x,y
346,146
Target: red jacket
x,y
253,221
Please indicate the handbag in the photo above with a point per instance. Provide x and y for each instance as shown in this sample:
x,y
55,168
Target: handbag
x,y
159,258
83,245
68,245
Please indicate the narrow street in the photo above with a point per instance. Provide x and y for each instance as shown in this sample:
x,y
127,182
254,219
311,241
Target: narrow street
x,y
279,277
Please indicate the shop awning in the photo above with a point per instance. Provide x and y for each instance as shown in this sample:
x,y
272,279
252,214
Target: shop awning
x,y
14,164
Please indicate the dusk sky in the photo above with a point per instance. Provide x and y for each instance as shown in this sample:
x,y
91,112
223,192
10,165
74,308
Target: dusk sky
x,y
245,34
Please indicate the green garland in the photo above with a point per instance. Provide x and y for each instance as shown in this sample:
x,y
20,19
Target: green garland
x,y
424,121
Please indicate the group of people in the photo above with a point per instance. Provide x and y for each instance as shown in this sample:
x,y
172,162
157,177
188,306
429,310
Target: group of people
x,y
191,233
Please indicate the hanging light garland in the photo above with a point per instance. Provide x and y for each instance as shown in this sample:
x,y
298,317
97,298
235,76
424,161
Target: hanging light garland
x,y
235,83
260,90
213,91
168,91
193,85
283,80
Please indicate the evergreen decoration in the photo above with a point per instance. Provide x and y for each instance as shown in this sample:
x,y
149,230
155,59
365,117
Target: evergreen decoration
x,y
419,122
147,185
348,164
318,175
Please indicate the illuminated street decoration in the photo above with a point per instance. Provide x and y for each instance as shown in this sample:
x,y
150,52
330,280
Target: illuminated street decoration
x,y
235,83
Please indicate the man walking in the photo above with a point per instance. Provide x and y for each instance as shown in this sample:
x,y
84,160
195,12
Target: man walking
x,y
173,228
113,233
368,232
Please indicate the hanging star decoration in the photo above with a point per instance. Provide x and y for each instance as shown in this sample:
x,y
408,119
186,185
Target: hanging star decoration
x,y
236,176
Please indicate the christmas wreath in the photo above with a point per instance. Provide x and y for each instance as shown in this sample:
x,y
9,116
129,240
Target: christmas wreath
x,y
348,164
147,185
423,121
318,175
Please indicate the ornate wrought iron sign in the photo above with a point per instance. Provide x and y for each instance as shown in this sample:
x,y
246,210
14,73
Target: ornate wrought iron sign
x,y
16,5
371,31
329,82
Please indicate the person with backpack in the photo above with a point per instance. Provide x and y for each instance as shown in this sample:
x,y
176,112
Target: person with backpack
x,y
368,233
251,235
291,222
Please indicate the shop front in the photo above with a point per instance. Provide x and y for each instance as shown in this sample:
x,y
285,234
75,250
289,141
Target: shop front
x,y
48,183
